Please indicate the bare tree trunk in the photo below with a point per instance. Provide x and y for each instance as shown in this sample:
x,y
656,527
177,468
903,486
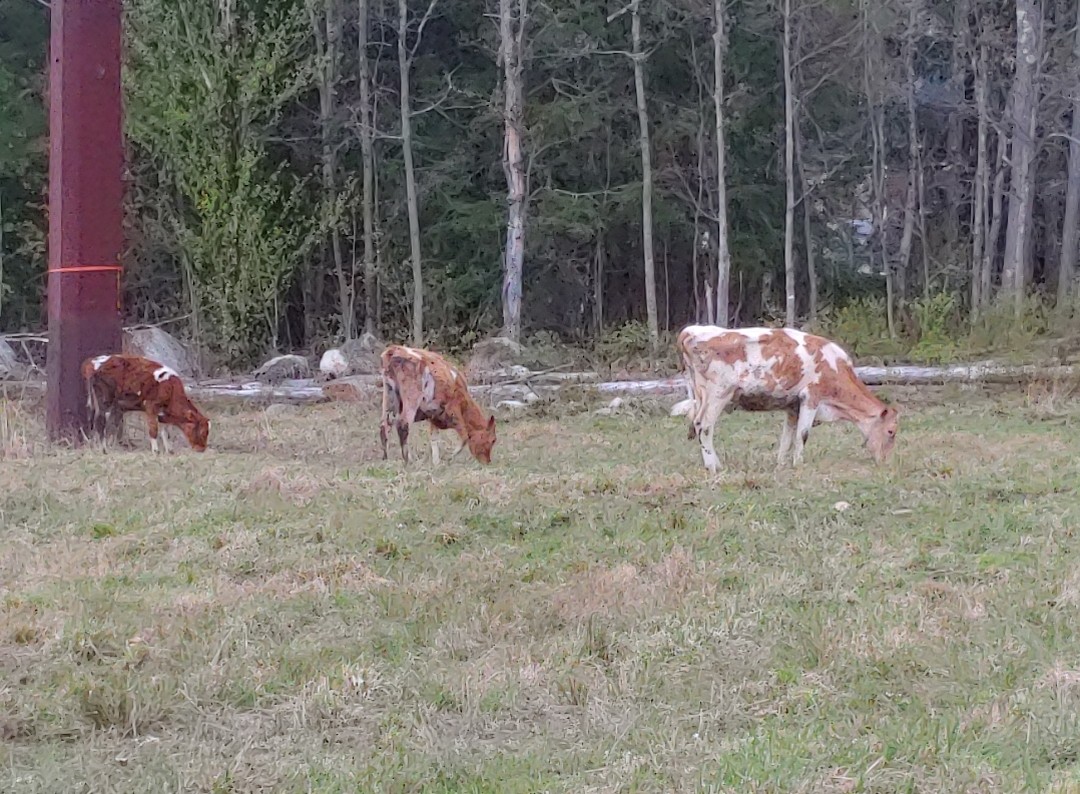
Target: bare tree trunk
x,y
811,267
1022,150
646,173
367,135
924,249
404,64
723,259
996,204
904,265
877,133
979,292
327,35
511,56
598,286
789,175
955,161
1070,231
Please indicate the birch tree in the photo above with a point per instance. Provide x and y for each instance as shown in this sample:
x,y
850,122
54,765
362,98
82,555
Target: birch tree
x,y
1070,232
789,173
1022,150
367,135
723,259
513,17
405,59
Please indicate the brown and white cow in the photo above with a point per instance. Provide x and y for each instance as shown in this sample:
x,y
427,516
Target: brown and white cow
x,y
418,386
777,369
123,383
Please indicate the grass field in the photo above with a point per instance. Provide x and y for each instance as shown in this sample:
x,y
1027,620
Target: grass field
x,y
287,613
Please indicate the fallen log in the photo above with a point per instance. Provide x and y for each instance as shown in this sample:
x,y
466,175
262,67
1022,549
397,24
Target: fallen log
x,y
364,388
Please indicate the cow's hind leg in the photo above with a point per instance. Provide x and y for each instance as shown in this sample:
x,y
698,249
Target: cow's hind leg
x,y
152,427
713,405
787,435
802,430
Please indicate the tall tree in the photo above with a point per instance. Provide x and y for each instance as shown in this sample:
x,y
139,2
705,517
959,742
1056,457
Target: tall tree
x,y
513,17
646,172
405,59
789,172
980,269
327,28
367,135
723,249
1070,232
1022,149
910,200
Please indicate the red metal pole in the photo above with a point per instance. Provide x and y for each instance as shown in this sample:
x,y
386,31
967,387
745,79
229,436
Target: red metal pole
x,y
86,163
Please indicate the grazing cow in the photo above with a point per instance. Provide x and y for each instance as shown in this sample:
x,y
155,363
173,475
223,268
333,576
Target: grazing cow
x,y
119,384
419,385
777,369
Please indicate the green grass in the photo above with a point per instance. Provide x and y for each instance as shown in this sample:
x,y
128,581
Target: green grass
x,y
289,613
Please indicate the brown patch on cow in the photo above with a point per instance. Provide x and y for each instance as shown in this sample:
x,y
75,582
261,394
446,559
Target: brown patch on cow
x,y
816,347
787,368
728,347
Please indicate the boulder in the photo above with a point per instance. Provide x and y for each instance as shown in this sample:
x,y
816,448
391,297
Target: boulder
x,y
162,347
281,368
333,364
497,355
10,366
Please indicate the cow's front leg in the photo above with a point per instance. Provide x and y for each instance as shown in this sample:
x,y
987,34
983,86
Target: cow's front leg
x,y
433,434
802,430
152,427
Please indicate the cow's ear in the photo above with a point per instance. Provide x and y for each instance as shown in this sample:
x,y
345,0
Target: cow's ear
x,y
491,423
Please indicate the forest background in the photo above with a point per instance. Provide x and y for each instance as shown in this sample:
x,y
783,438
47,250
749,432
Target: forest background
x,y
901,174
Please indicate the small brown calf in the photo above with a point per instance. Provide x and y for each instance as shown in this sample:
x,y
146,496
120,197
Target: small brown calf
x,y
418,386
124,383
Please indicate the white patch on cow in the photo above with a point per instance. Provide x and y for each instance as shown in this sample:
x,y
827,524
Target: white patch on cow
x,y
704,332
834,354
453,373
754,334
427,391
411,353
807,359
162,374
97,361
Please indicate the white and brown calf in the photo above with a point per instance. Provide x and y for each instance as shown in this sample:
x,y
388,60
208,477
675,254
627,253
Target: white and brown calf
x,y
419,386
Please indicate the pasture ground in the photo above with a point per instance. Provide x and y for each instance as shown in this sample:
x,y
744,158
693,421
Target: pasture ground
x,y
288,613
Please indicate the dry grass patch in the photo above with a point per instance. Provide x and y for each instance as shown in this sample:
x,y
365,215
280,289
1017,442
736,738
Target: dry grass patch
x,y
290,613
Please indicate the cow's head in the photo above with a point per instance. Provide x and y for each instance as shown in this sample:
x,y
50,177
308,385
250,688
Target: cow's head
x,y
881,433
196,428
481,441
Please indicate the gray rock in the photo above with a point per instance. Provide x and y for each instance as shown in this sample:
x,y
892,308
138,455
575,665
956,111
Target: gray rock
x,y
10,366
162,347
281,368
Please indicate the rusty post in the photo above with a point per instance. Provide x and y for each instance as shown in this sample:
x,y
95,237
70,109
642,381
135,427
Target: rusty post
x,y
86,160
